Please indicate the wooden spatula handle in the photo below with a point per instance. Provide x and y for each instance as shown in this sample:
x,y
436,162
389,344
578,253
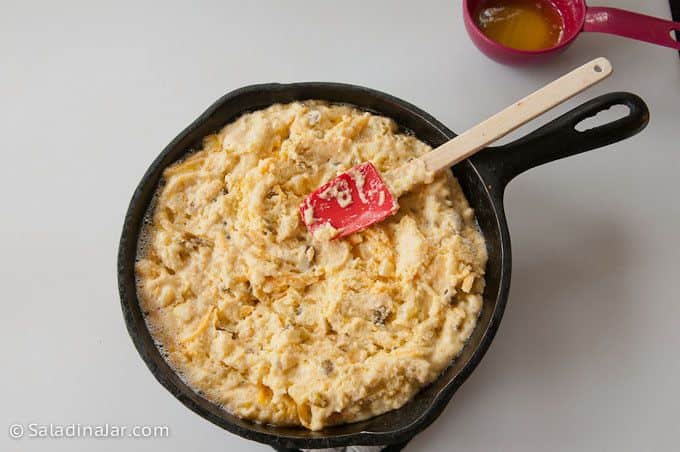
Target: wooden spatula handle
x,y
521,112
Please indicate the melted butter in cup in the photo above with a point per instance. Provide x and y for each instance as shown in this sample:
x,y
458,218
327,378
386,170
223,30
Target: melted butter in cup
x,y
521,24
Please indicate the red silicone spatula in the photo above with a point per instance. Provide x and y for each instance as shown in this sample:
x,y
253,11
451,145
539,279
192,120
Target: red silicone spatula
x,y
361,197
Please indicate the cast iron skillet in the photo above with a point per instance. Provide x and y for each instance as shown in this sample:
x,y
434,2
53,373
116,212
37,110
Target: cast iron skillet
x,y
483,179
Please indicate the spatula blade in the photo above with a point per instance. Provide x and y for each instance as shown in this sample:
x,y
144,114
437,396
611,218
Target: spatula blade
x,y
349,203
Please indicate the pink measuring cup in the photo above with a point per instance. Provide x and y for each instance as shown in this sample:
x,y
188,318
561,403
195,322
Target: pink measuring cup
x,y
577,17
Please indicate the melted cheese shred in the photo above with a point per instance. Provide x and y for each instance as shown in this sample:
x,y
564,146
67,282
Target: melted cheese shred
x,y
278,327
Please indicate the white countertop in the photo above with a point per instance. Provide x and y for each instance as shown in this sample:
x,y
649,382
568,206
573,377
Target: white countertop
x,y
587,355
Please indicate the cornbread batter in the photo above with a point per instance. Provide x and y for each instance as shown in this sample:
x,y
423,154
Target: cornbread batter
x,y
283,328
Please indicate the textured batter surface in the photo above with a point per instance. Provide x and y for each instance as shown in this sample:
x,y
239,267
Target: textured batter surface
x,y
278,327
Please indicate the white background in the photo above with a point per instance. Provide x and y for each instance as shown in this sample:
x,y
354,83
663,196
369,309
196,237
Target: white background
x,y
90,92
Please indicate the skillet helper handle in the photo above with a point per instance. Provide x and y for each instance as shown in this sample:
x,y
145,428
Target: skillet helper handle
x,y
632,25
390,448
559,138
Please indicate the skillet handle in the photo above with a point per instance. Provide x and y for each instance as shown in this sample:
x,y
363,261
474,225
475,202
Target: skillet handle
x,y
559,138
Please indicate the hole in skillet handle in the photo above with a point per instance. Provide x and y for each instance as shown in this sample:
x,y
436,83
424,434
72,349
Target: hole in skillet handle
x,y
611,114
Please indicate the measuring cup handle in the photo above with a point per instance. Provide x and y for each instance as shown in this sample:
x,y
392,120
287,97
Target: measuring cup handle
x,y
631,25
